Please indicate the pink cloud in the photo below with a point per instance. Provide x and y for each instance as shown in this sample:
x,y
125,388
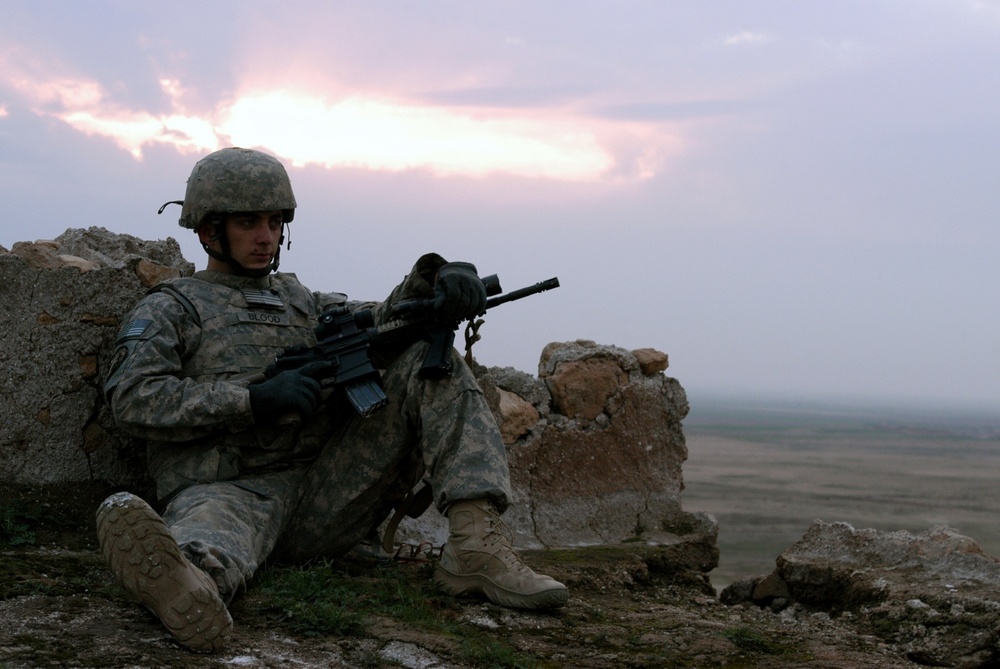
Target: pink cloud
x,y
361,131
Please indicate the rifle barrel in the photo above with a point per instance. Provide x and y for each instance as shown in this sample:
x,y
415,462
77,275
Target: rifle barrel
x,y
539,287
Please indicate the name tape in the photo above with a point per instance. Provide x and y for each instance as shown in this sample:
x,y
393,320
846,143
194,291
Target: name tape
x,y
263,318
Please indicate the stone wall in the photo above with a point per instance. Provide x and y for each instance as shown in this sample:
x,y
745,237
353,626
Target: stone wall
x,y
62,302
595,440
603,461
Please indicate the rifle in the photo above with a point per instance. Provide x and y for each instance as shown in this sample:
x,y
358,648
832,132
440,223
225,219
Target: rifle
x,y
348,339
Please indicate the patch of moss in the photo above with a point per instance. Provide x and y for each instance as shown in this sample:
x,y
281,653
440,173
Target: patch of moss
x,y
752,640
330,598
491,653
30,572
16,523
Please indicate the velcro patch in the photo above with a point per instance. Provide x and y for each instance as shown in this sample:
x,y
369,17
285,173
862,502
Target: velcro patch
x,y
263,298
134,329
263,318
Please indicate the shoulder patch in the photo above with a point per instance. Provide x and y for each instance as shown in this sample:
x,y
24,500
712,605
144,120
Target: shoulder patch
x,y
134,329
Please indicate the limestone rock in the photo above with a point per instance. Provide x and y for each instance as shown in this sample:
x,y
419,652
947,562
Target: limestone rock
x,y
582,388
530,388
650,360
80,263
601,475
151,273
62,305
584,378
37,256
517,416
606,481
936,593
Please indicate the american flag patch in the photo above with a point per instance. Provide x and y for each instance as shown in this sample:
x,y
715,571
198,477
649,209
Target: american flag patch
x,y
263,298
134,329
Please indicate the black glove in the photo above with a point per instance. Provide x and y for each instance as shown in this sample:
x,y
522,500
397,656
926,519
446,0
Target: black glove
x,y
294,391
459,293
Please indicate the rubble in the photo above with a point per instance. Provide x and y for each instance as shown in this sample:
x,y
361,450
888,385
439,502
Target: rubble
x,y
935,594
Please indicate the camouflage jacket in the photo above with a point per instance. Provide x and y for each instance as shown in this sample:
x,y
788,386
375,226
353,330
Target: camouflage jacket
x,y
178,374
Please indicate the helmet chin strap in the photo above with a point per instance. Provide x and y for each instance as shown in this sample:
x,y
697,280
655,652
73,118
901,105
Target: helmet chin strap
x,y
225,255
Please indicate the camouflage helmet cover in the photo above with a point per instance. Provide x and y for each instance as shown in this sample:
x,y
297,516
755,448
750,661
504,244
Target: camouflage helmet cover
x,y
235,179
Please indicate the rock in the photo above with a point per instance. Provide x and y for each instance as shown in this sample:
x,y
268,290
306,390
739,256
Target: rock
x,y
650,360
592,483
109,249
611,478
37,256
151,273
63,302
77,262
517,416
583,378
771,591
582,388
739,592
530,388
935,593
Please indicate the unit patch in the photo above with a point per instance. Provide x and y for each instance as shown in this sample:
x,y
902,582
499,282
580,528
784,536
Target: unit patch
x,y
117,359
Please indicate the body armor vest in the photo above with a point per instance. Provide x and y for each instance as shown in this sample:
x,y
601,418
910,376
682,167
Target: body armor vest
x,y
241,330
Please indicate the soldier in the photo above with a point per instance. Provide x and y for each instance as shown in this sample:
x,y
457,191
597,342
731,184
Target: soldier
x,y
236,487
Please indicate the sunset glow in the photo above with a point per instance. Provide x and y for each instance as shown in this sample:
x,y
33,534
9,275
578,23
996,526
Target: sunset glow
x,y
356,131
359,132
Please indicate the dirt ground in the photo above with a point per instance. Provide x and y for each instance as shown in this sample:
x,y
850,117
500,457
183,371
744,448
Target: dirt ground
x,y
619,615
60,608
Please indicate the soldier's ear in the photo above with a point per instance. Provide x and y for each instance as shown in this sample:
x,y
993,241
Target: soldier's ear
x,y
208,233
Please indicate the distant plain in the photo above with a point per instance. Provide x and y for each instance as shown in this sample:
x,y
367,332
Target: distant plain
x,y
766,470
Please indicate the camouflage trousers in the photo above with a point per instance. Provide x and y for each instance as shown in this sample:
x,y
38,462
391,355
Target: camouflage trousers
x,y
441,431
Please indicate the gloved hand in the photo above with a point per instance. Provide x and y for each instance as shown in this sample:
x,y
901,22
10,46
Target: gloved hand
x,y
459,293
294,391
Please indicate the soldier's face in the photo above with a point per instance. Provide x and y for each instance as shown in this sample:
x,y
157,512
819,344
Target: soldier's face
x,y
253,237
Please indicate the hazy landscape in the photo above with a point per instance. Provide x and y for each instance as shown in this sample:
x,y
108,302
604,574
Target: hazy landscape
x,y
766,470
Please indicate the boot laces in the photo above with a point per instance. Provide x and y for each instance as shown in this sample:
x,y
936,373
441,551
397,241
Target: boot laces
x,y
500,540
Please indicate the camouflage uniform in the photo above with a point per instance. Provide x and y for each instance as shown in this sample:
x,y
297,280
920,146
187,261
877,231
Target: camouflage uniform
x,y
235,492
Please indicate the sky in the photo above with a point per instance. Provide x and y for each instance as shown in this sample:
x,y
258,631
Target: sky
x,y
791,199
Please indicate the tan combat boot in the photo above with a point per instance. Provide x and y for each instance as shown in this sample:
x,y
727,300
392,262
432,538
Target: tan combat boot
x,y
146,560
479,560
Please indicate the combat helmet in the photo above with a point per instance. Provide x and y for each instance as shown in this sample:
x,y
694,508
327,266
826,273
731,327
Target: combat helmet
x,y
235,179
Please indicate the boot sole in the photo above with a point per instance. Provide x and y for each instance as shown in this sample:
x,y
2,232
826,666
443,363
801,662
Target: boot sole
x,y
149,565
475,584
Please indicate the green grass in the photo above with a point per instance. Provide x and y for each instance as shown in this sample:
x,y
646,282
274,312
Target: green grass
x,y
311,602
754,641
336,599
15,526
26,572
